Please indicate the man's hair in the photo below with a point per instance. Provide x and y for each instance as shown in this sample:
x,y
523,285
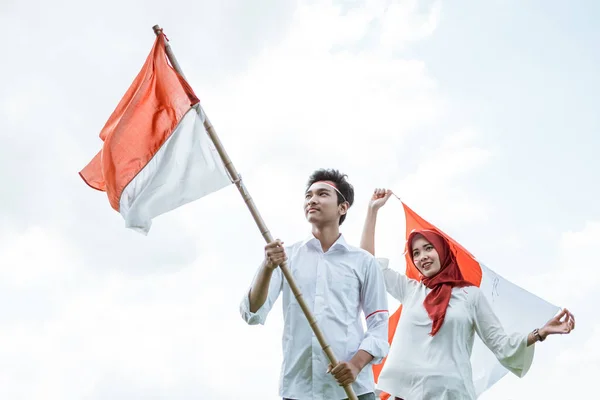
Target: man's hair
x,y
341,183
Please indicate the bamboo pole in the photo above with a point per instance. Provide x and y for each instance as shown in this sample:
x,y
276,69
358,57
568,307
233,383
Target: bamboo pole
x,y
259,221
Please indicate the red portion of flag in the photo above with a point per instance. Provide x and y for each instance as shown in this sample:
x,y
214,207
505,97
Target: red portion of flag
x,y
143,120
393,323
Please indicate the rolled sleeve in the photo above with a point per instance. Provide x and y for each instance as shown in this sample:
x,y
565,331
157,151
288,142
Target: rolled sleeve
x,y
375,307
260,316
375,341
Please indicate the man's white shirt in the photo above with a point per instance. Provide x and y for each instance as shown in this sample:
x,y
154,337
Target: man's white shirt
x,y
336,286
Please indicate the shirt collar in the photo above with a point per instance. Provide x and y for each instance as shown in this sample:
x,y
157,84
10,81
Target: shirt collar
x,y
314,242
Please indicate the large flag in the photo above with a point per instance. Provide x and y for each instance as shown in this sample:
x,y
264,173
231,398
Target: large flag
x,y
156,154
517,309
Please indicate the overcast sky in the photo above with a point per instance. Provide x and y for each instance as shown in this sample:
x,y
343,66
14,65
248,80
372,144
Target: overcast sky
x,y
483,116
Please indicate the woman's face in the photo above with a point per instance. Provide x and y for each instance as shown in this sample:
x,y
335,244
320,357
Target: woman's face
x,y
425,257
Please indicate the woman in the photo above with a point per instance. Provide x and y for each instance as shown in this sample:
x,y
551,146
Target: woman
x,y
429,357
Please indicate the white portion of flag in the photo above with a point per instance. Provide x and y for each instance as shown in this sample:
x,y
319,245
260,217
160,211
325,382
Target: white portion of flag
x,y
186,168
518,310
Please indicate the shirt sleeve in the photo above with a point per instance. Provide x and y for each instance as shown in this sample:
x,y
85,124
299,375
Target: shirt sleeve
x,y
510,349
395,283
260,316
375,307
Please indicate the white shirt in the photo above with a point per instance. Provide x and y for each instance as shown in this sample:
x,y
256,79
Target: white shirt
x,y
337,286
420,366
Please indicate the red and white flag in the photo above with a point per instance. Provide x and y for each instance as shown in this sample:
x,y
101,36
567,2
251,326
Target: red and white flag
x,y
517,309
156,154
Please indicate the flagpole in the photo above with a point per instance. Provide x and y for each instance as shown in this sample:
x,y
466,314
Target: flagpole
x,y
259,221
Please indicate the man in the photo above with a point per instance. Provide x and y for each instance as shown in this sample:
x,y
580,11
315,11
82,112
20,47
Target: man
x,y
337,281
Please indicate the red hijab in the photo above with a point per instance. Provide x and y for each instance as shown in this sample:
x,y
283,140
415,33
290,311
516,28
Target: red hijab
x,y
441,284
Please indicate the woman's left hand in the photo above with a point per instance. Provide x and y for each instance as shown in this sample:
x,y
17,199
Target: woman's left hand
x,y
562,324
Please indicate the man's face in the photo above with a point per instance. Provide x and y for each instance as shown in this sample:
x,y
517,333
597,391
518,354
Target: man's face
x,y
321,204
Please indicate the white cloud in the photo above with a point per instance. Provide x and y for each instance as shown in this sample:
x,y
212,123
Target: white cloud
x,y
576,259
572,278
404,21
436,184
43,252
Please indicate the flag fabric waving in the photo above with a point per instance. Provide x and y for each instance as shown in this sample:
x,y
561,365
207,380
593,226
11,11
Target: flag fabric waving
x,y
517,309
156,154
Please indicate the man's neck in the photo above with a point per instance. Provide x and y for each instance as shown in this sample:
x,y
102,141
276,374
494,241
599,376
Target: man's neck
x,y
327,235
